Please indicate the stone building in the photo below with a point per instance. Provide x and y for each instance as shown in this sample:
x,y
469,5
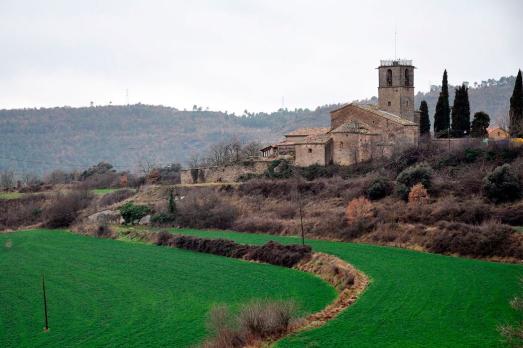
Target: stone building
x,y
360,132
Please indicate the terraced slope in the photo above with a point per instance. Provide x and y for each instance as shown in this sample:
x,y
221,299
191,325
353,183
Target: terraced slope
x,y
113,293
415,299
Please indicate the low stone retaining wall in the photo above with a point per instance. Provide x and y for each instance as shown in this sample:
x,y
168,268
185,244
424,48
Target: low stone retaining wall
x,y
229,173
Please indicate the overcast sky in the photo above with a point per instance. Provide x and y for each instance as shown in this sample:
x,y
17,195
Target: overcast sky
x,y
239,54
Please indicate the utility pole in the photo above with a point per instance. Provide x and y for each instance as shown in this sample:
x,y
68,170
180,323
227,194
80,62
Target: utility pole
x,y
46,328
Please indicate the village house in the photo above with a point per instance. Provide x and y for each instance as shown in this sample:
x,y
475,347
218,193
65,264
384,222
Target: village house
x,y
498,133
357,132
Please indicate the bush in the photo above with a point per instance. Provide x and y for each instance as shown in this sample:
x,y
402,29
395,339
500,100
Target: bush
x,y
163,219
419,173
62,209
379,188
23,211
488,239
206,210
418,195
132,212
501,185
359,209
402,192
255,321
271,252
279,169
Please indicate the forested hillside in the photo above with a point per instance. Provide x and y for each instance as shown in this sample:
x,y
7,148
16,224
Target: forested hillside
x,y
40,140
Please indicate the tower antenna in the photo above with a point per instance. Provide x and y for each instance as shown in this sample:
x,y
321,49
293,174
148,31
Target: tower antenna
x,y
395,42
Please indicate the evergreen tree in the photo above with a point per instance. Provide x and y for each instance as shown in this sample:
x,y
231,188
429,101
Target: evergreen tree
x,y
516,109
461,112
442,114
480,124
424,122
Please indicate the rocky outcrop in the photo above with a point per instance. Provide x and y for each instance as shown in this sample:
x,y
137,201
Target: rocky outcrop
x,y
105,217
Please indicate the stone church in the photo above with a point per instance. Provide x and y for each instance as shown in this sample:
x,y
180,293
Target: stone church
x,y
359,133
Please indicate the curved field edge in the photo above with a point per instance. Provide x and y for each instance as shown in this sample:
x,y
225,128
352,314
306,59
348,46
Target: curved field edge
x,y
415,299
110,293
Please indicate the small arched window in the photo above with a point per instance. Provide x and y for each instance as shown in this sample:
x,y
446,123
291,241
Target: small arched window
x,y
310,150
341,144
389,77
407,78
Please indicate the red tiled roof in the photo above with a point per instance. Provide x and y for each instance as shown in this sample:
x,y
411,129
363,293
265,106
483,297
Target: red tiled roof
x,y
307,131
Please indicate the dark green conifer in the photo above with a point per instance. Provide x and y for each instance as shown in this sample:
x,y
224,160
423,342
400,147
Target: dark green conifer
x,y
442,114
461,113
424,122
516,109
480,124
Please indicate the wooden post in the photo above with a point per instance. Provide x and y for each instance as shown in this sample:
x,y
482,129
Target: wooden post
x,y
46,328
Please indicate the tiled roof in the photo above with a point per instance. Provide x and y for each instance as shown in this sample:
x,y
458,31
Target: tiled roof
x,y
490,130
307,131
354,127
316,139
375,110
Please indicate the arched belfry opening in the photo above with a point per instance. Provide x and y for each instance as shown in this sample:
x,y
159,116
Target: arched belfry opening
x,y
389,77
407,78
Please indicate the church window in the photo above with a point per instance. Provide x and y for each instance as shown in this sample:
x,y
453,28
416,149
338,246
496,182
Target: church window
x,y
341,145
389,77
388,103
407,103
407,78
310,150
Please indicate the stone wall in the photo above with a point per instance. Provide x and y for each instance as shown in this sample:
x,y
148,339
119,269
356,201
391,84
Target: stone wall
x,y
222,174
351,148
309,154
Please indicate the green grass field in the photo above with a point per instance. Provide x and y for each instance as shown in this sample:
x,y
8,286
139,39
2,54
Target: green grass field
x,y
113,293
104,191
415,299
10,195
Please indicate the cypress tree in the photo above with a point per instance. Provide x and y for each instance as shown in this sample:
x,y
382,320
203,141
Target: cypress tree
x,y
171,208
480,124
516,109
424,121
461,112
442,114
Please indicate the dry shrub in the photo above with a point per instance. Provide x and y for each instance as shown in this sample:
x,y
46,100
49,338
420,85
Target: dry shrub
x,y
263,319
418,195
397,234
271,252
359,209
488,239
23,211
278,254
472,211
206,210
257,320
96,230
115,197
62,210
510,214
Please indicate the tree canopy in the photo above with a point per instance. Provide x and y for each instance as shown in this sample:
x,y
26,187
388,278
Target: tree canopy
x,y
516,109
442,114
480,124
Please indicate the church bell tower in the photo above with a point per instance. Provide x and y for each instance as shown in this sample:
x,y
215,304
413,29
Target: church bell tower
x,y
396,88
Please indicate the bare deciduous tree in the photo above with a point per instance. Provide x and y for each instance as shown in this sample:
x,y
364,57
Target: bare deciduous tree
x,y
7,179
